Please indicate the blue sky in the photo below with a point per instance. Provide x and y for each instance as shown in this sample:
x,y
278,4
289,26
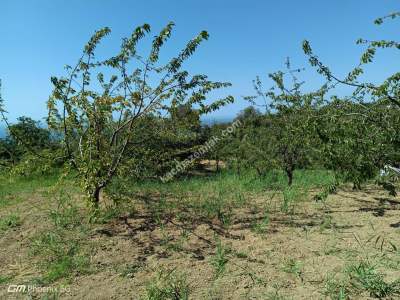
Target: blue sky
x,y
247,38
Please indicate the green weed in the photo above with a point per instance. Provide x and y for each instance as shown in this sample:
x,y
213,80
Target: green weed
x,y
5,279
66,215
337,289
291,196
129,271
292,266
61,257
231,186
220,259
275,295
327,190
9,221
168,285
261,227
216,207
364,276
327,223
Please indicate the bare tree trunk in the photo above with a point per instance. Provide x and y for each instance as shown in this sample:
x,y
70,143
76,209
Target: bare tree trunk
x,y
289,174
95,197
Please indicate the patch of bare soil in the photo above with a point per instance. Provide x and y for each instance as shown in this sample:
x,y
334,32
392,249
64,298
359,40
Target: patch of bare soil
x,y
291,255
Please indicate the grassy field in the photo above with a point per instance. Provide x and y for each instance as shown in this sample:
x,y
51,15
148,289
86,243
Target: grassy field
x,y
216,236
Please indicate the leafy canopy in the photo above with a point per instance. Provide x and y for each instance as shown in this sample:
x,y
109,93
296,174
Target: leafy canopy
x,y
98,104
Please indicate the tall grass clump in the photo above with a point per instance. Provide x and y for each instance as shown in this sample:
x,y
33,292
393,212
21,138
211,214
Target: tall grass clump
x,y
364,276
291,196
168,285
220,259
61,248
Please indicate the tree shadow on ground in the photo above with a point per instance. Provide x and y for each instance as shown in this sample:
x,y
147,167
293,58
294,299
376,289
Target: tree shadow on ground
x,y
395,225
380,208
377,205
157,227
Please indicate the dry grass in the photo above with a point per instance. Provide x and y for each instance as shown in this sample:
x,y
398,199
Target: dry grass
x,y
246,249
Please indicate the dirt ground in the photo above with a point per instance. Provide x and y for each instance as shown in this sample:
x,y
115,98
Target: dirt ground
x,y
294,256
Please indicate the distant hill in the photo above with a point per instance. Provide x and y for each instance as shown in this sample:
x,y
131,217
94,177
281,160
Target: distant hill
x,y
217,120
204,121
